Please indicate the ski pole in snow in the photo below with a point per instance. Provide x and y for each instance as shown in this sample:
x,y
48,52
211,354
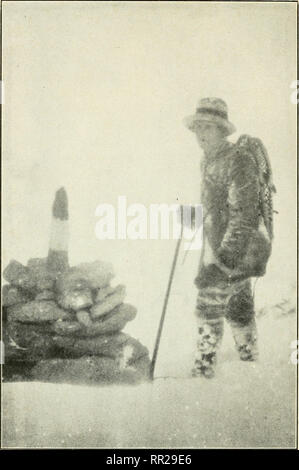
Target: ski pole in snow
x,y
157,343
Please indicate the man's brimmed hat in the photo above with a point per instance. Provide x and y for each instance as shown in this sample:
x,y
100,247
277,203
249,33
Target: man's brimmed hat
x,y
210,110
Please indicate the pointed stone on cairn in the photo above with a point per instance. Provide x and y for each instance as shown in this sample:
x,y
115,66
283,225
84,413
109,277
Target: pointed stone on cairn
x,y
64,324
58,250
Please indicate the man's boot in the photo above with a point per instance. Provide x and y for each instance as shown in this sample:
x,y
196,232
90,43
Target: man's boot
x,y
210,333
245,337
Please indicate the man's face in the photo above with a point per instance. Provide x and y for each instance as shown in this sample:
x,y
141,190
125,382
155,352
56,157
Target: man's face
x,y
208,135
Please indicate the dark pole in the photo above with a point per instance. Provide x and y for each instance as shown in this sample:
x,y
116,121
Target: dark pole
x,y
157,343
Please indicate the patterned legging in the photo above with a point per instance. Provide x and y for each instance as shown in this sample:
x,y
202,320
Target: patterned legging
x,y
234,301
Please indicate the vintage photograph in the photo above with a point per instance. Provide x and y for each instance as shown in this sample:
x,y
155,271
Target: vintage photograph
x,y
149,225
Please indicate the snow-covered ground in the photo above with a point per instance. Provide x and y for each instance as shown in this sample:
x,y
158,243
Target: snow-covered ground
x,y
245,405
123,135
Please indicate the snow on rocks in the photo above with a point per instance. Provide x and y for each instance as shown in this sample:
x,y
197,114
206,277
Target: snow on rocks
x,y
43,277
109,302
12,295
83,317
75,299
112,322
94,275
64,323
57,322
37,311
18,275
45,295
107,345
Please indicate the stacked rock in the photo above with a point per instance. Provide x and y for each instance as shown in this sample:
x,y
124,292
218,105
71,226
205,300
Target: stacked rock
x,y
69,327
64,324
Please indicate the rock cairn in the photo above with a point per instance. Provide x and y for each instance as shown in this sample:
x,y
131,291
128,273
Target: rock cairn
x,y
64,324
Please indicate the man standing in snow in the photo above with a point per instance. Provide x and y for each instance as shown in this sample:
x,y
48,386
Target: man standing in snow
x,y
230,199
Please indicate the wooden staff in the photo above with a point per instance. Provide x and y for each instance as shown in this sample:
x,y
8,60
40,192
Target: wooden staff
x,y
158,338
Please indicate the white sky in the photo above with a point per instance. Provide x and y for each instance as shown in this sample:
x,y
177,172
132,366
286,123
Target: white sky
x,y
95,94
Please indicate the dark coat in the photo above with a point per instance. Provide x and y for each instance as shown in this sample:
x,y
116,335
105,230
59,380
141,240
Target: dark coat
x,y
230,199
